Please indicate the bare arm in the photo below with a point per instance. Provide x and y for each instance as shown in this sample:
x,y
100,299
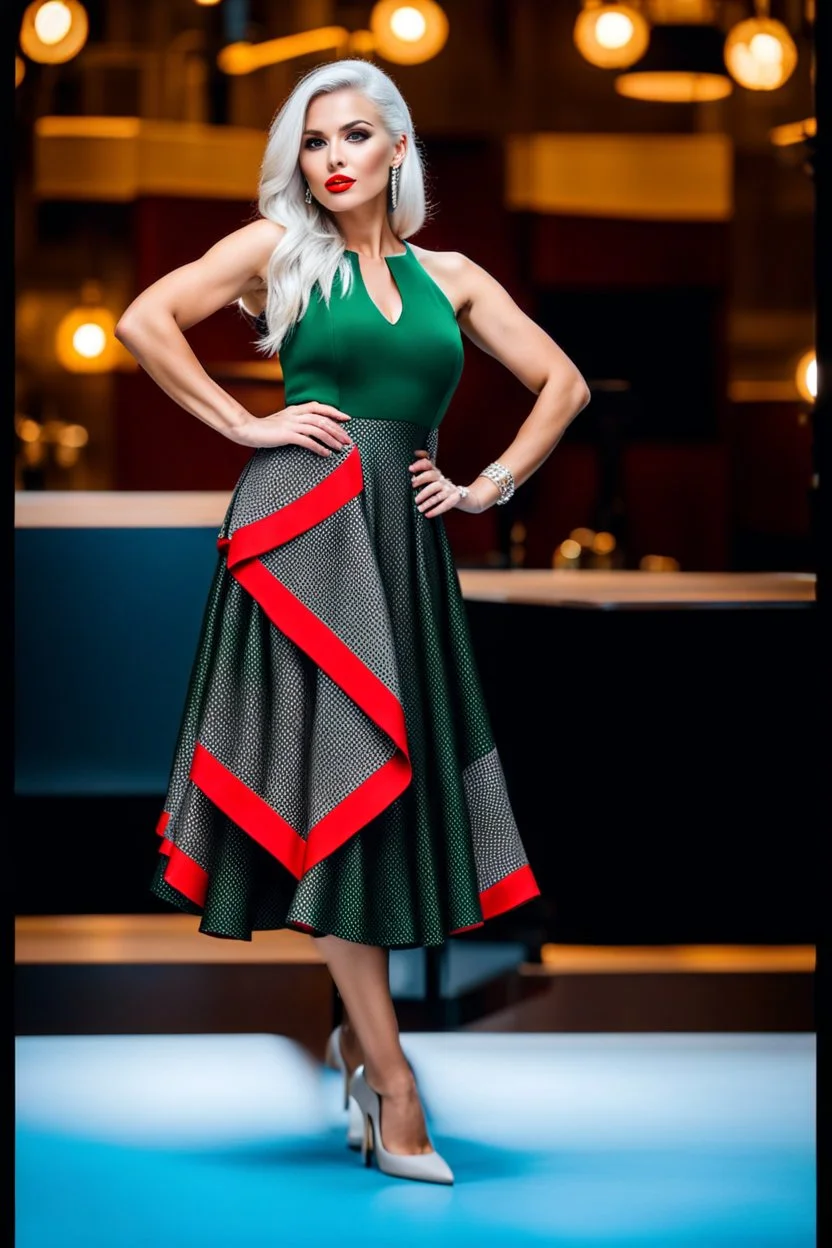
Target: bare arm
x,y
494,322
152,328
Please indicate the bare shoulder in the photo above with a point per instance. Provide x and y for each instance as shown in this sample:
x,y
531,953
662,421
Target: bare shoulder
x,y
451,270
450,264
258,240
255,243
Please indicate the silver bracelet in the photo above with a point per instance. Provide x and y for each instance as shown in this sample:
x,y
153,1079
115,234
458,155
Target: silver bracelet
x,y
502,477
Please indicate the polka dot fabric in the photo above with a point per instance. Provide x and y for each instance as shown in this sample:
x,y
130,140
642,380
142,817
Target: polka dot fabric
x,y
365,587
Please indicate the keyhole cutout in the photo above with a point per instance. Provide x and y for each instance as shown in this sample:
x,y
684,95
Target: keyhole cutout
x,y
381,289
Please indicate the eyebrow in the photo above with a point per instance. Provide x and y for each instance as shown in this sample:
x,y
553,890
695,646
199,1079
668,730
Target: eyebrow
x,y
348,126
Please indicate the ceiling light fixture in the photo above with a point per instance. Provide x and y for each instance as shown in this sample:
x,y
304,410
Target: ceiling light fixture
x,y
53,31
683,64
408,34
759,52
611,35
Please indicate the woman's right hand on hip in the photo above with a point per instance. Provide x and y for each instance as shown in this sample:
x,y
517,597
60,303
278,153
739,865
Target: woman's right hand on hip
x,y
317,426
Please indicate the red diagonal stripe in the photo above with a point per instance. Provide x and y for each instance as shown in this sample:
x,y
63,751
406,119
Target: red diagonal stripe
x,y
251,540
248,809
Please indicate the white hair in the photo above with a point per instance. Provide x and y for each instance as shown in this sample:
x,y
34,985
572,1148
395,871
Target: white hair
x,y
312,248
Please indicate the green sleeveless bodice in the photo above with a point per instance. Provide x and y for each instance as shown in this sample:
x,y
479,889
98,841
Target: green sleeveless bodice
x,y
350,355
335,770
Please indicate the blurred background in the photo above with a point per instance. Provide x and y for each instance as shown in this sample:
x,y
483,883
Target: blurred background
x,y
644,178
637,175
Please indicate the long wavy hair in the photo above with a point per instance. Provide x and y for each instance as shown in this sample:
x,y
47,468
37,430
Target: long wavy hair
x,y
312,248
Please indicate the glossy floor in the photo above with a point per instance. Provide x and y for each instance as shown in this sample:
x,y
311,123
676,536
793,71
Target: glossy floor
x,y
577,1139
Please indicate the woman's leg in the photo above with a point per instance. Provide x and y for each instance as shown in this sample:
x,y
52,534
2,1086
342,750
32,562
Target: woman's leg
x,y
362,978
351,1050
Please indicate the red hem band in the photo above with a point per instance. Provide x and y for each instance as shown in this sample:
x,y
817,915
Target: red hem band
x,y
509,892
300,624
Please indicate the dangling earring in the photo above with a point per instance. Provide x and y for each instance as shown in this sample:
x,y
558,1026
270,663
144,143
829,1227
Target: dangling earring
x,y
395,170
308,194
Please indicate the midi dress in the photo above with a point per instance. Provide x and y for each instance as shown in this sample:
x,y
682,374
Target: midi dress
x,y
335,769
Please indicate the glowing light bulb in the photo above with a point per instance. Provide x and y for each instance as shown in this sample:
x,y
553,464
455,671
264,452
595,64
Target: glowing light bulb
x,y
611,34
408,34
408,24
89,340
54,32
806,376
760,54
766,50
52,22
614,30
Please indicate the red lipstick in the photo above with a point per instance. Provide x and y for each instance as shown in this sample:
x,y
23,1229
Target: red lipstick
x,y
338,182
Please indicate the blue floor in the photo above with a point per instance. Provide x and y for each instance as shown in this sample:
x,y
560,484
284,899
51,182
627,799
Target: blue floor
x,y
219,1141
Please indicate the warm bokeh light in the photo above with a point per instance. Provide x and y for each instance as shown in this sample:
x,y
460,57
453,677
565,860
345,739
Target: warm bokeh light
x,y
361,43
245,58
658,563
54,31
614,30
408,23
65,456
806,376
33,453
85,341
408,34
570,549
610,36
19,70
52,21
674,87
584,537
28,430
207,4
603,544
89,340
684,61
760,54
794,132
73,436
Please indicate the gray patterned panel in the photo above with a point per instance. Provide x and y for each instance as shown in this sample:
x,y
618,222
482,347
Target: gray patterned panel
x,y
498,849
192,828
332,570
274,477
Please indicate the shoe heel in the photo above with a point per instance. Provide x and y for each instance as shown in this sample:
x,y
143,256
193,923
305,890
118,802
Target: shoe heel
x,y
367,1142
428,1167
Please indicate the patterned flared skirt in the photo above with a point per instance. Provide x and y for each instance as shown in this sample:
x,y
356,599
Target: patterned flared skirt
x,y
335,770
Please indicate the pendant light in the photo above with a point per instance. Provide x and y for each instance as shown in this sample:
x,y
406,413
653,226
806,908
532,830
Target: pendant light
x,y
760,53
408,34
53,31
611,35
683,64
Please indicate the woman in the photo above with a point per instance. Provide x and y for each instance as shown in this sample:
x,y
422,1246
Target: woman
x,y
335,770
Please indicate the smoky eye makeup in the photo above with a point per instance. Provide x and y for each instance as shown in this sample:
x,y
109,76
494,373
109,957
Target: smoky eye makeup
x,y
363,134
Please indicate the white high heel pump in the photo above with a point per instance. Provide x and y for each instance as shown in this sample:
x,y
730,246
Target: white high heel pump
x,y
427,1167
335,1060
